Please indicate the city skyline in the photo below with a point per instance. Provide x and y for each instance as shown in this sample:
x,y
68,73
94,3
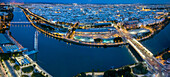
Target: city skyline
x,y
95,1
73,39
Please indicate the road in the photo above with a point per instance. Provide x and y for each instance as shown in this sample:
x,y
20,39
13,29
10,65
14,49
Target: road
x,y
2,71
156,67
11,70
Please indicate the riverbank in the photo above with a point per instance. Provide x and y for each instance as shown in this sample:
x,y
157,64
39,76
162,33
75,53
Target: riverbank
x,y
165,23
71,40
20,59
132,70
64,38
163,56
13,59
59,47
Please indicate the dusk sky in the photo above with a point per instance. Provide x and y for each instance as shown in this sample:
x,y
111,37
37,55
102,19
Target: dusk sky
x,y
95,1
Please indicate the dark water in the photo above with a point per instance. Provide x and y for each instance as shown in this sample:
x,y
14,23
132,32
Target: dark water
x,y
159,41
64,60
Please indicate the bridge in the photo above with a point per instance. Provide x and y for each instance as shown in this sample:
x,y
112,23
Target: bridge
x,y
37,16
155,66
147,56
42,18
17,22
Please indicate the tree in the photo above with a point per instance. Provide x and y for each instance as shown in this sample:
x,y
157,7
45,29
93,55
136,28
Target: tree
x,y
37,75
12,60
28,69
140,69
98,40
128,74
83,74
166,56
24,76
16,67
127,68
110,73
118,39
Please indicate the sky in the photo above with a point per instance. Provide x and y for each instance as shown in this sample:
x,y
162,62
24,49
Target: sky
x,y
95,1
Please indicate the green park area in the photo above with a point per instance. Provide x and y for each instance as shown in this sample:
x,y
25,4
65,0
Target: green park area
x,y
37,75
28,69
16,67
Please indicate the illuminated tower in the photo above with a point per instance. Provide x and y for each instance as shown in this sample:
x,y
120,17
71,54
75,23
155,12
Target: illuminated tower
x,y
36,44
36,41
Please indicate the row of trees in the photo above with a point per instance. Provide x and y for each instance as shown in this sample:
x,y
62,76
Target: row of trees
x,y
125,71
34,75
28,69
122,72
140,69
116,40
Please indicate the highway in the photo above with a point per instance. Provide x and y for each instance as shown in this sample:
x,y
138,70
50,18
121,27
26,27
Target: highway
x,y
156,67
66,37
11,70
2,71
45,20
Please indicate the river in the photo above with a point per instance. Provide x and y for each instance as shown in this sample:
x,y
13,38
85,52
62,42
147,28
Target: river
x,y
64,60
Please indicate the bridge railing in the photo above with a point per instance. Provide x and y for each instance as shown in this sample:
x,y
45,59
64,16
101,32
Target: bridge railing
x,y
159,63
150,54
140,53
154,70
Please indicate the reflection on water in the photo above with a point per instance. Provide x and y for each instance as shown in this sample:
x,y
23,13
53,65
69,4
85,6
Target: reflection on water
x,y
62,59
71,59
159,41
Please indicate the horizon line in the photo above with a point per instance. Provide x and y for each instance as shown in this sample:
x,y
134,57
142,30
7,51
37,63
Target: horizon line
x,y
86,3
